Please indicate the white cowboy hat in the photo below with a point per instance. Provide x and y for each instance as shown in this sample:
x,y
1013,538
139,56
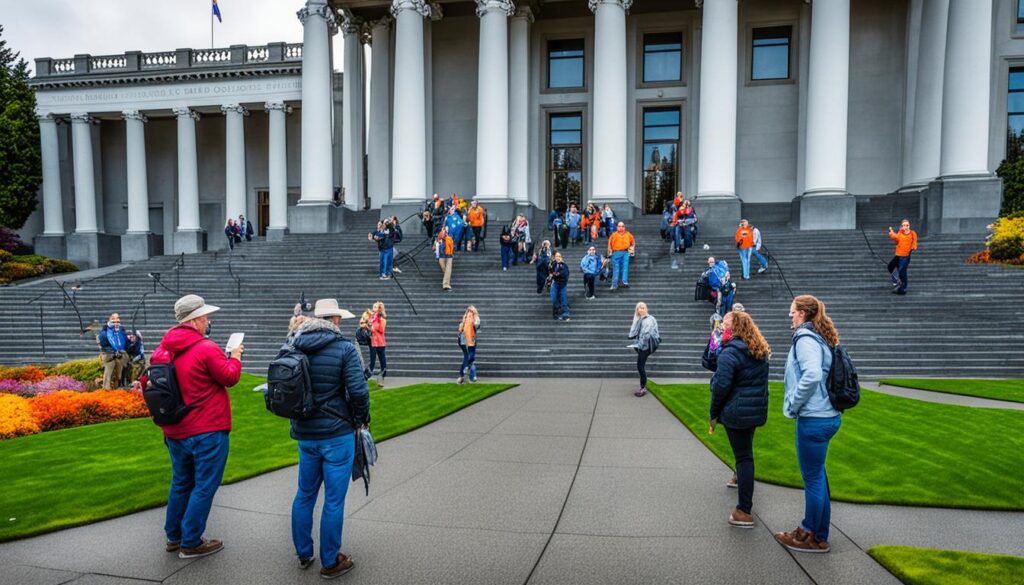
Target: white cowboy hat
x,y
191,307
329,308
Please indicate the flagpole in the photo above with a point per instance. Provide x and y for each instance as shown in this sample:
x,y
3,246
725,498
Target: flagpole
x,y
211,29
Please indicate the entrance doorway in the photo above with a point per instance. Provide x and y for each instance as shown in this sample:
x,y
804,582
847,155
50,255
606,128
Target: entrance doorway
x,y
262,212
660,158
565,160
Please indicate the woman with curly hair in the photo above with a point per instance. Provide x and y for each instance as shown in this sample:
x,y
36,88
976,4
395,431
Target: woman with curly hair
x,y
739,401
817,421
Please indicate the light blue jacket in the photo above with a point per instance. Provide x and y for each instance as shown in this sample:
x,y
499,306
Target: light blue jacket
x,y
590,264
807,368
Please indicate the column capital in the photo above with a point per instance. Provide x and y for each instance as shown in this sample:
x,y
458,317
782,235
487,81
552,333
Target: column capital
x,y
351,24
483,6
134,115
422,7
46,118
625,4
525,12
383,22
436,12
321,10
82,119
234,108
183,112
269,106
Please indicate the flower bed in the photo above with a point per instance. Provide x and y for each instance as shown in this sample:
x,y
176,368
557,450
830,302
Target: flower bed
x,y
65,409
1005,243
13,267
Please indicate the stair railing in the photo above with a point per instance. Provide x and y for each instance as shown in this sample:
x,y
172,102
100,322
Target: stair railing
x,y
782,273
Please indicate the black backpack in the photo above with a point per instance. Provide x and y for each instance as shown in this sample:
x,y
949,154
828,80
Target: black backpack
x,y
843,384
162,394
289,387
363,336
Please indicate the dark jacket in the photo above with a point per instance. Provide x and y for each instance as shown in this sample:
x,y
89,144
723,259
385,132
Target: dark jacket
x,y
560,273
739,388
336,370
112,340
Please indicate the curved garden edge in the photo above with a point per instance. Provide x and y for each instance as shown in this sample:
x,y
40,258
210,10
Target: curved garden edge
x,y
929,566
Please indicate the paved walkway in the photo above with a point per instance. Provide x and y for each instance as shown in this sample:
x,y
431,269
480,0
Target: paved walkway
x,y
943,397
553,482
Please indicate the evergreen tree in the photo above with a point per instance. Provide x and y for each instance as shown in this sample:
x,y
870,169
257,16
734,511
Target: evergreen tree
x,y
20,159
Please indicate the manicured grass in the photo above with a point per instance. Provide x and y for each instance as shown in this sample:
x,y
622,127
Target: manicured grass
x,y
1009,390
889,450
929,566
75,476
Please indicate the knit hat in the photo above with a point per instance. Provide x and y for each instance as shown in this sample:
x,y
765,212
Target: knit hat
x,y
191,307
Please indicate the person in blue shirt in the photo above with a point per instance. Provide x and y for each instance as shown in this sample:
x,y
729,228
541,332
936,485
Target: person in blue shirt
x,y
456,225
572,219
136,358
591,267
113,340
542,261
385,238
559,274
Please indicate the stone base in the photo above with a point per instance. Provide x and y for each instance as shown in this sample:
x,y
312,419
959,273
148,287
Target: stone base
x,y
51,246
136,247
623,209
318,218
94,250
827,211
276,234
402,210
962,205
189,242
717,216
504,211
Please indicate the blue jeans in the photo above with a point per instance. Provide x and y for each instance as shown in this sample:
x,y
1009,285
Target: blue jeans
x,y
574,234
468,361
559,300
745,261
677,237
898,270
620,267
327,462
812,438
387,260
760,258
197,466
506,256
379,352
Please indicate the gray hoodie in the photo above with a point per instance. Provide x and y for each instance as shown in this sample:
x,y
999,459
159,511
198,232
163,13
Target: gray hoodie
x,y
644,329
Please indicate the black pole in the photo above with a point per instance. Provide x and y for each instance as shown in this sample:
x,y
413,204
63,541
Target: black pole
x,y
42,336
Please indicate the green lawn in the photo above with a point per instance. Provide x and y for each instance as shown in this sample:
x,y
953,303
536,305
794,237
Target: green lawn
x,y
889,450
1010,390
929,566
75,476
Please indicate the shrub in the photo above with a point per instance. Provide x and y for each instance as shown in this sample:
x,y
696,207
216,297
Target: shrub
x,y
56,266
5,255
12,386
1006,242
85,370
65,409
16,418
11,271
51,384
1012,173
23,373
10,240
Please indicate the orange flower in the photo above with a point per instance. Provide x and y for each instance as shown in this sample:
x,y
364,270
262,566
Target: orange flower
x,y
65,409
24,374
16,417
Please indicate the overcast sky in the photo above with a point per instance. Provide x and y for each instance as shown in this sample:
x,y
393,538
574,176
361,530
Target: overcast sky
x,y
62,28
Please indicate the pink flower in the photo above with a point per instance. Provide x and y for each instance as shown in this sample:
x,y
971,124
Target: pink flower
x,y
52,384
9,386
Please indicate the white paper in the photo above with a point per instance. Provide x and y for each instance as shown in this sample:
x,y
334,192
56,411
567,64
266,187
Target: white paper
x,y
234,341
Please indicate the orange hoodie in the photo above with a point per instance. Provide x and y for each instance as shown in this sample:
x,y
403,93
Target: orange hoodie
x,y
745,237
476,216
905,243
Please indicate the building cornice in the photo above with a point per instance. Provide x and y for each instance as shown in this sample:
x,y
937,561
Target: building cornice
x,y
593,4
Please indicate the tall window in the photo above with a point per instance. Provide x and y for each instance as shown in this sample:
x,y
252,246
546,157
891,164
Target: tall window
x,y
565,156
1020,11
660,157
565,63
663,57
769,55
1015,114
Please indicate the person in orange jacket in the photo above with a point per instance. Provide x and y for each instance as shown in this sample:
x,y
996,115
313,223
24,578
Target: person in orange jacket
x,y
745,243
444,249
621,245
475,216
906,243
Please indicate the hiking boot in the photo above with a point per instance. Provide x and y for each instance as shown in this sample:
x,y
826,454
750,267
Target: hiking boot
x,y
172,546
207,547
306,563
344,565
640,392
800,540
733,482
741,519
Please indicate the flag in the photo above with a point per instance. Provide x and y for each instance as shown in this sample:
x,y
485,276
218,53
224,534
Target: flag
x,y
216,11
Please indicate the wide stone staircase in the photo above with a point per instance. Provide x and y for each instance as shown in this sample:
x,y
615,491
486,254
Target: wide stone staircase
x,y
958,320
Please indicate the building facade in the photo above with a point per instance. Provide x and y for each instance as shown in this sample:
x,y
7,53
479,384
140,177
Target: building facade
x,y
785,109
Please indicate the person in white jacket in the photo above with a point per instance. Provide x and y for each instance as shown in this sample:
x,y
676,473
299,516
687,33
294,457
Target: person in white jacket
x,y
646,338
757,252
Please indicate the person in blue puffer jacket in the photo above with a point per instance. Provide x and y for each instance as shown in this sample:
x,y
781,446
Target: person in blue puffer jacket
x,y
455,225
591,267
113,340
807,401
326,442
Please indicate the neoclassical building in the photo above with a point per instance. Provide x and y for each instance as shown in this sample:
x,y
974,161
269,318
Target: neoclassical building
x,y
792,110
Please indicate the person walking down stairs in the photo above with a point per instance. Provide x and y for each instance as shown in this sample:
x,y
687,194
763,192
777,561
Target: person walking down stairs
x,y
756,251
591,267
542,262
559,275
467,343
378,323
644,332
621,246
745,243
444,249
906,243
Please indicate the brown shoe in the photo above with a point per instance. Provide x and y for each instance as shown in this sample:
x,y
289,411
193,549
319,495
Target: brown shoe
x,y
208,547
741,519
172,546
344,565
733,482
800,540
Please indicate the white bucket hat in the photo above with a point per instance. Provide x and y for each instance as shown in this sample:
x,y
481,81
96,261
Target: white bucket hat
x,y
329,308
191,307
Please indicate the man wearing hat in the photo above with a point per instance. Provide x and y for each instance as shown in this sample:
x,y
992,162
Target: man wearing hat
x,y
327,442
198,444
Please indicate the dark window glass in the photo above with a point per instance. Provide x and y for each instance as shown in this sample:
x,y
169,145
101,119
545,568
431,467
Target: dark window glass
x,y
1015,114
663,57
565,63
565,145
660,163
769,55
1020,11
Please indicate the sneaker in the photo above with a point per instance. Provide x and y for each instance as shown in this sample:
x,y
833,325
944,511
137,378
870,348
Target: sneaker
x,y
344,565
895,283
640,392
306,563
207,547
741,519
460,380
733,482
800,540
396,270
504,269
762,270
172,546
625,285
612,287
472,380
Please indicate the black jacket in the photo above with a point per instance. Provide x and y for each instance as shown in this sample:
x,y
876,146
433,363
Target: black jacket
x,y
336,370
739,388
560,273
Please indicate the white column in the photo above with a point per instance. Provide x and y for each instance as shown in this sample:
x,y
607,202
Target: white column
x,y
85,181
234,160
278,166
188,174
966,87
519,106
610,109
318,22
409,141
53,210
926,139
138,186
827,98
378,142
353,115
716,150
492,100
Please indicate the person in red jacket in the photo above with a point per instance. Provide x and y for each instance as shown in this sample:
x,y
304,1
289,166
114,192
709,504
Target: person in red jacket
x,y
198,445
906,242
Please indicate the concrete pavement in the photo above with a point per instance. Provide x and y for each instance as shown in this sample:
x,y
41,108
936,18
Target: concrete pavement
x,y
552,482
